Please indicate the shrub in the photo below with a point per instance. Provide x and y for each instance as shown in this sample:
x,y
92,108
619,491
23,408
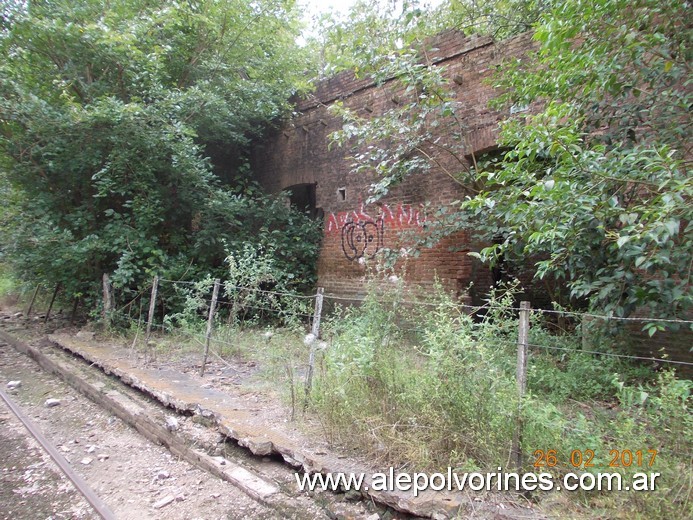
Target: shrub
x,y
428,386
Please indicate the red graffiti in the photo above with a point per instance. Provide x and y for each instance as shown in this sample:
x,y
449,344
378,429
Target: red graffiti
x,y
402,217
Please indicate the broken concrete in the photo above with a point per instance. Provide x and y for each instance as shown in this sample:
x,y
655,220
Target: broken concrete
x,y
184,393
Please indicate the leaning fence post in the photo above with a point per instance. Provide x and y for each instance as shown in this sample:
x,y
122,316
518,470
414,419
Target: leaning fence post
x,y
33,299
210,324
50,306
521,375
315,331
152,306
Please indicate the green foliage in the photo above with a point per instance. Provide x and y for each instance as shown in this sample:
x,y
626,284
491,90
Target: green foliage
x,y
190,315
597,182
498,18
117,123
421,132
366,38
7,283
255,284
233,220
564,371
438,402
255,288
374,32
427,385
658,415
594,187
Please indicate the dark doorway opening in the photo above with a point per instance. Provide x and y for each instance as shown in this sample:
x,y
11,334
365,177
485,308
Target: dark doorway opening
x,y
303,198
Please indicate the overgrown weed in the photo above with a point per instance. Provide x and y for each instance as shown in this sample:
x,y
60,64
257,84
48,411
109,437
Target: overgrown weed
x,y
425,386
428,387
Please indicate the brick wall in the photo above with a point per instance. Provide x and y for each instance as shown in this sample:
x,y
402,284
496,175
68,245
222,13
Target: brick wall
x,y
300,153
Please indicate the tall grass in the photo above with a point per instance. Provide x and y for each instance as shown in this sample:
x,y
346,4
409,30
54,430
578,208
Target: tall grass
x,y
427,387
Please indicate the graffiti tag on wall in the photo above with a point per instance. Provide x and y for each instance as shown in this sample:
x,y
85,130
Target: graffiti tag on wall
x,y
363,235
403,216
362,239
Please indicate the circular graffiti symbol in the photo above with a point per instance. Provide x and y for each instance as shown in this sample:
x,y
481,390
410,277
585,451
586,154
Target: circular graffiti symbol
x,y
362,239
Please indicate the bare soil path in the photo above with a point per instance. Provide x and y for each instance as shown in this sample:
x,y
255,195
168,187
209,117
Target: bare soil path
x,y
132,475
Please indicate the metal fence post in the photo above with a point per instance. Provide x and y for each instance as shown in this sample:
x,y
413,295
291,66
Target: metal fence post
x,y
315,331
521,375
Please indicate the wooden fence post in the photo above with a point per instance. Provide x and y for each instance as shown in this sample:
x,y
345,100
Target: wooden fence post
x,y
50,306
210,324
521,375
315,331
33,299
152,306
73,315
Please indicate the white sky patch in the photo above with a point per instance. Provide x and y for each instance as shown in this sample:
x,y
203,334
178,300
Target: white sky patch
x,y
314,8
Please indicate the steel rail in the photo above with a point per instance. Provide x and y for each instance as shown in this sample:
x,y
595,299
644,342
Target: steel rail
x,y
99,506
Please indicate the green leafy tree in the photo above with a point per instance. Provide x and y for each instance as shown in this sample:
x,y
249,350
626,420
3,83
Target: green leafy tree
x,y
368,36
124,125
598,182
375,31
497,18
594,186
421,132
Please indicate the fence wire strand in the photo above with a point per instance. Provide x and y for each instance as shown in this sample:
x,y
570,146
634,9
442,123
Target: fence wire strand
x,y
475,309
613,318
201,338
356,298
611,354
251,289
138,295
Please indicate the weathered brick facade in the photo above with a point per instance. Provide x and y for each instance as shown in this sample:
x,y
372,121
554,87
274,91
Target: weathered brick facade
x,y
301,154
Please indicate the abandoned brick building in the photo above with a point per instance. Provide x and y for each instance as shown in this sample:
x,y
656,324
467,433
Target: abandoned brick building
x,y
298,158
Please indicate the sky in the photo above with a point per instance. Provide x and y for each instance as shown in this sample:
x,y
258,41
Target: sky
x,y
314,7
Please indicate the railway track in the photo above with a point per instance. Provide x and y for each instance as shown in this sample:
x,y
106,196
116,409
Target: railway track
x,y
78,482
125,474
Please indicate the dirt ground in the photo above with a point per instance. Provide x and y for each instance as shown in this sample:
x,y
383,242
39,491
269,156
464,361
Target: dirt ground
x,y
133,476
31,485
130,473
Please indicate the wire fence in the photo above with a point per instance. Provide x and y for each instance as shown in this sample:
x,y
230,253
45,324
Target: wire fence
x,y
516,339
238,302
515,328
473,309
262,302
